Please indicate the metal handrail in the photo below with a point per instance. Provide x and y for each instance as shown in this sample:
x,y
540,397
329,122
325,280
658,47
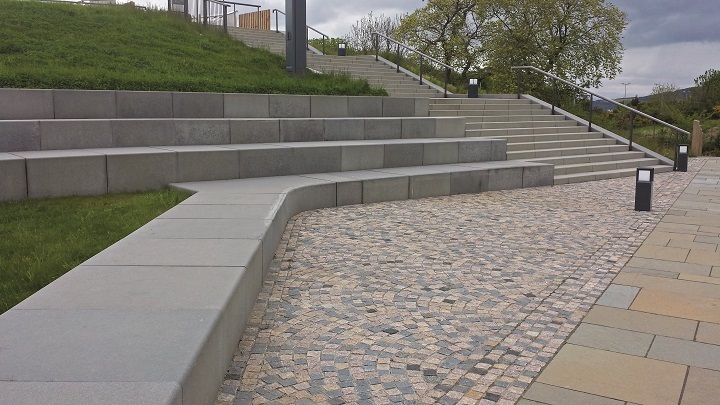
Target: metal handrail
x,y
592,94
225,4
376,35
307,27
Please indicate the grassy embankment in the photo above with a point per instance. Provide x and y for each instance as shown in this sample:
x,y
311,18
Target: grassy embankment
x,y
47,45
40,240
62,46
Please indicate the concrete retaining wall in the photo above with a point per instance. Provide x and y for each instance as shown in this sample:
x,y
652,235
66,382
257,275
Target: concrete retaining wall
x,y
30,104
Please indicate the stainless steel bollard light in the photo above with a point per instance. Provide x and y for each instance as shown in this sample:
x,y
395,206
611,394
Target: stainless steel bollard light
x,y
473,88
644,188
682,159
342,50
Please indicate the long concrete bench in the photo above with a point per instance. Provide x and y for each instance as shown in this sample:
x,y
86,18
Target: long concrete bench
x,y
155,318
25,104
58,134
39,174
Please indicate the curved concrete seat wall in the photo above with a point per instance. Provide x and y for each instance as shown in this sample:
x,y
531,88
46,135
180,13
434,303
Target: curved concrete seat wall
x,y
40,174
155,318
59,134
26,104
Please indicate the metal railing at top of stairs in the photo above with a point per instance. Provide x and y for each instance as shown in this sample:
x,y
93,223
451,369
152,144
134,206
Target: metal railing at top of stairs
x,y
376,40
633,111
225,4
307,29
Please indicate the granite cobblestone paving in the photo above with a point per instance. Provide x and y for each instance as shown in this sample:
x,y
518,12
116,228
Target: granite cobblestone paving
x,y
450,300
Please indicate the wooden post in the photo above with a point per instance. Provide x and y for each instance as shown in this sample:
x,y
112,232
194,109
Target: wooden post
x,y
696,143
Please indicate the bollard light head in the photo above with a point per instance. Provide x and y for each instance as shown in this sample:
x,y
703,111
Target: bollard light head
x,y
683,149
645,174
341,46
473,82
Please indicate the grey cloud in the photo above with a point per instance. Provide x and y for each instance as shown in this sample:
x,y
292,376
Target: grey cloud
x,y
654,22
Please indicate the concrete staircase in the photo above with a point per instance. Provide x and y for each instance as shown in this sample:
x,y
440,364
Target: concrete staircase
x,y
534,134
378,74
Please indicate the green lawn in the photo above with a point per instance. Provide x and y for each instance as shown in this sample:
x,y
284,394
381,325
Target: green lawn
x,y
63,46
40,240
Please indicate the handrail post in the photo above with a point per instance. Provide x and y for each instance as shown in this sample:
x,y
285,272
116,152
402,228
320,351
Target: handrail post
x,y
377,47
397,62
555,96
258,17
277,26
447,79
677,143
519,82
205,17
224,18
323,44
591,113
632,120
307,38
421,61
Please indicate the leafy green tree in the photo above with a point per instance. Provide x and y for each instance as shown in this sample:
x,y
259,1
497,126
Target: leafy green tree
x,y
448,30
360,37
578,40
706,93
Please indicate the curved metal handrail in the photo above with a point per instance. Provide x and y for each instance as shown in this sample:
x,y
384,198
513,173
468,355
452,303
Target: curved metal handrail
x,y
376,35
592,94
307,27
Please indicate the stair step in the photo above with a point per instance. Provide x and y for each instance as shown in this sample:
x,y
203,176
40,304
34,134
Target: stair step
x,y
562,144
604,166
535,138
516,118
605,174
592,158
541,153
544,130
521,124
487,113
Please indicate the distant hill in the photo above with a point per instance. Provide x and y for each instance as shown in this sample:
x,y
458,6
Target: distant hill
x,y
680,94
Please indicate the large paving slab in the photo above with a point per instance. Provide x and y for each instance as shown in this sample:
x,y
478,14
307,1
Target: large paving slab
x,y
674,311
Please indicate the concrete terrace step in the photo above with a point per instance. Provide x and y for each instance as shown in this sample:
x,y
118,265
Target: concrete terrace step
x,y
56,173
522,124
169,303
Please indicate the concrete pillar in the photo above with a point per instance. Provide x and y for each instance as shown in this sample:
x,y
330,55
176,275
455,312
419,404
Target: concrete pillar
x,y
697,139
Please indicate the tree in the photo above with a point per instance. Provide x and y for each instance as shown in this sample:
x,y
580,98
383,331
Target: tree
x,y
578,40
447,30
360,36
706,93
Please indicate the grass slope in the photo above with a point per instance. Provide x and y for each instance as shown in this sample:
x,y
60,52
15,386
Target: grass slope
x,y
63,46
40,240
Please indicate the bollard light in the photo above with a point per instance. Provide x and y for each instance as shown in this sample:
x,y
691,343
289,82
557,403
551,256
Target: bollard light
x,y
644,178
473,88
682,158
342,50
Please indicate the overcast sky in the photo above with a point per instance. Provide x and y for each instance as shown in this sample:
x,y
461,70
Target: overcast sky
x,y
667,41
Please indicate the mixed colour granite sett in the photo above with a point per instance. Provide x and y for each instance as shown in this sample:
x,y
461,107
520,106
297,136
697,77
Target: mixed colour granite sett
x,y
462,299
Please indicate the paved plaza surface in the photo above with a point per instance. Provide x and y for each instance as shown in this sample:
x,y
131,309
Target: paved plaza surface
x,y
466,299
